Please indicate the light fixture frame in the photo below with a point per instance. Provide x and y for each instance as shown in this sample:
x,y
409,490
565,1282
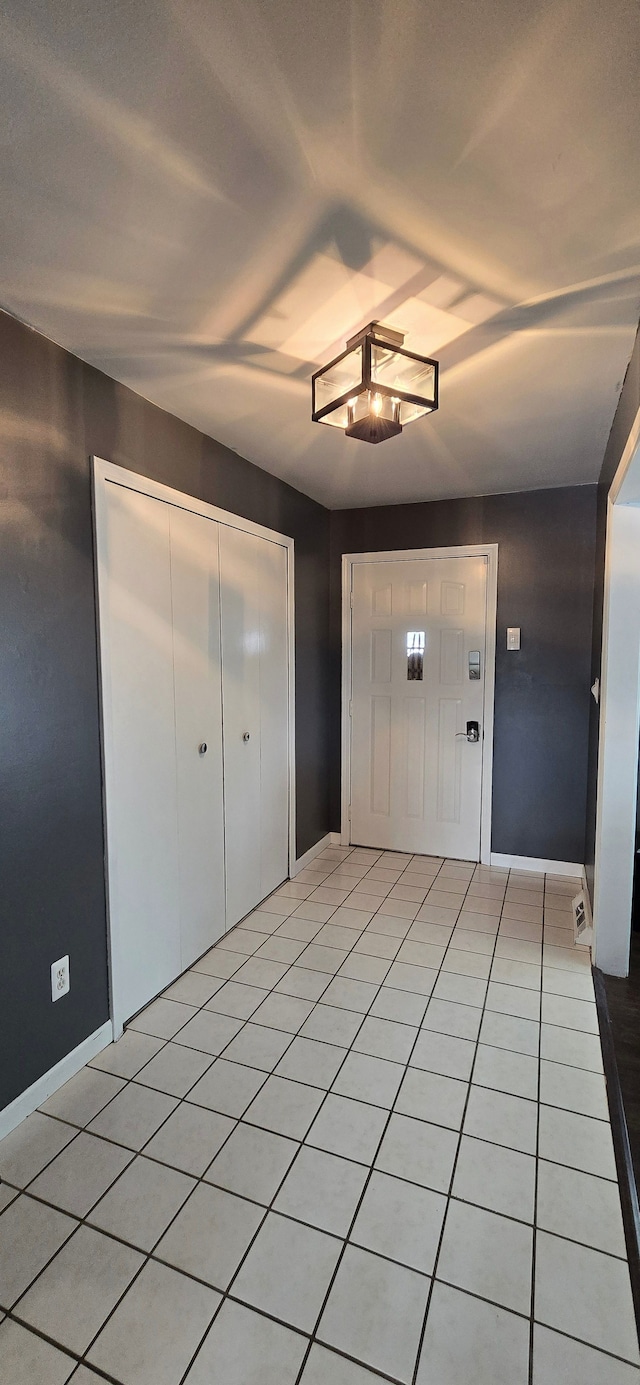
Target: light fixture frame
x,y
374,334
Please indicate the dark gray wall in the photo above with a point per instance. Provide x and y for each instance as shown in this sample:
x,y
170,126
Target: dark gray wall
x,y
545,585
54,412
628,405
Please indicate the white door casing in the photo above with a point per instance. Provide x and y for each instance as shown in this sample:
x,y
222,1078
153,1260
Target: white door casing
x,y
157,578
411,780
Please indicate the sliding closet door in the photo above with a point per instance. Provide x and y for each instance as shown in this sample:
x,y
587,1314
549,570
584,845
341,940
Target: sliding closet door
x,y
253,590
140,756
198,724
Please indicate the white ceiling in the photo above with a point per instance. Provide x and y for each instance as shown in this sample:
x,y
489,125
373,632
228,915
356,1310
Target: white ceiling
x,y
204,198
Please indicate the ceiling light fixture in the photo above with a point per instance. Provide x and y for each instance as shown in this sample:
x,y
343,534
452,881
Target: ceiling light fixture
x,y
374,387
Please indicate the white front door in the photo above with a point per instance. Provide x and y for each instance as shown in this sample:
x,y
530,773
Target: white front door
x,y
418,671
253,589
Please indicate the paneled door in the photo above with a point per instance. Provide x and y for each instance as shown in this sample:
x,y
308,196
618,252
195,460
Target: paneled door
x,y
253,593
418,671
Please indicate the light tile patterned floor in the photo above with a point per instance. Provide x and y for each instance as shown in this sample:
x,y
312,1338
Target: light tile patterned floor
x,y
365,1137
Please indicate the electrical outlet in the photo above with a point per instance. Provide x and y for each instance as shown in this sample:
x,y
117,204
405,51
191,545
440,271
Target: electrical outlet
x,y
59,978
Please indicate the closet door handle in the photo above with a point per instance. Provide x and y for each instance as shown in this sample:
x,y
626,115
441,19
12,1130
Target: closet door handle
x,y
202,748
246,735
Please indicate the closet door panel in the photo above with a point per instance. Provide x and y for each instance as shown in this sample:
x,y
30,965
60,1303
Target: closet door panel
x,y
140,752
240,623
198,719
274,729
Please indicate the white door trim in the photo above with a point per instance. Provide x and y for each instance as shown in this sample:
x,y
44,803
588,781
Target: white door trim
x,y
472,550
103,474
619,718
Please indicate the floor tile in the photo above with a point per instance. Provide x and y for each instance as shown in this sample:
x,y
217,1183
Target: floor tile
x,y
245,940
333,935
405,977
30,1234
26,1359
253,1163
163,1018
324,894
258,1047
577,1141
443,1053
278,949
569,1014
81,1098
305,1259
307,1060
308,985
257,971
500,1179
513,973
7,1195
577,1050
575,1089
154,1332
210,1235
561,958
133,1116
516,928
585,1294
330,1024
303,930
194,988
286,1107
482,923
285,1012
513,1000
389,925
467,1340
421,954
559,1361
487,1255
431,1097
501,1119
219,963
385,1039
278,904
346,917
174,1070
360,966
516,1073
31,1146
208,1032
463,990
238,1000
509,1031
128,1055
80,1174
460,1021
317,913
466,963
369,1079
227,1087
350,995
439,934
576,984
405,1007
350,1128
419,1152
74,1295
322,1190
401,1221
139,1207
518,950
580,1208
463,940
326,959
263,922
326,1367
245,1348
190,1138
375,1312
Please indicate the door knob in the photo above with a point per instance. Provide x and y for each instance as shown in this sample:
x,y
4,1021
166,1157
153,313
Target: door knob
x,y
472,732
202,748
246,735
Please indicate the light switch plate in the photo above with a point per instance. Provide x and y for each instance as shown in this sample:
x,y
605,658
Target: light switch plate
x,y
513,637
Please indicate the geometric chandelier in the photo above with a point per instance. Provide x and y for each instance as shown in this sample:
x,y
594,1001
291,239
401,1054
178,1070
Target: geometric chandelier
x,y
374,387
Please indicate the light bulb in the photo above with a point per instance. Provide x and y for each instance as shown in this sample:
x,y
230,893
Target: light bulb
x,y
376,404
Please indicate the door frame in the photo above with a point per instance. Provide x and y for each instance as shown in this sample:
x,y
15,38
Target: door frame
x,y
105,473
619,723
471,550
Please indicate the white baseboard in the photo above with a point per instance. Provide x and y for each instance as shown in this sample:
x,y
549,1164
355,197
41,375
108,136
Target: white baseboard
x,y
311,854
537,863
336,838
56,1077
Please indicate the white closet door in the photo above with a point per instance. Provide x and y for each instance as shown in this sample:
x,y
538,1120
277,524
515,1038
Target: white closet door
x,y
253,588
140,752
198,717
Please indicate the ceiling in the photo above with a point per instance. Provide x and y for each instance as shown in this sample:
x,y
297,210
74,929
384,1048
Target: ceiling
x,y
205,198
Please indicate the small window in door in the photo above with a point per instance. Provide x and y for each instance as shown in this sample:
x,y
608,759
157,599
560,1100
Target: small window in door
x,y
416,641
